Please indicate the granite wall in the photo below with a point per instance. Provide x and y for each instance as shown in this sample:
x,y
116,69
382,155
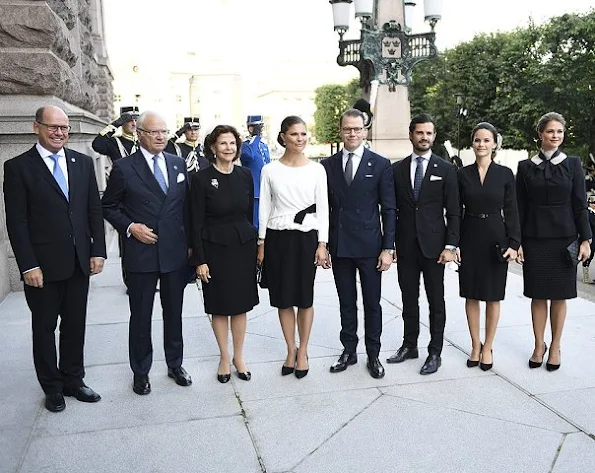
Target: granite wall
x,y
51,52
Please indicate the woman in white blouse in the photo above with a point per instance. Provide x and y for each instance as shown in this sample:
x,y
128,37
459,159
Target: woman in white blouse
x,y
293,221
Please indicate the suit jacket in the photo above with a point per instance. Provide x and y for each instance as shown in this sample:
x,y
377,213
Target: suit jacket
x,y
435,218
46,229
355,230
555,207
134,196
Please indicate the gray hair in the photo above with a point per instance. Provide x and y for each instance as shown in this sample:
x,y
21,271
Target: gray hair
x,y
143,116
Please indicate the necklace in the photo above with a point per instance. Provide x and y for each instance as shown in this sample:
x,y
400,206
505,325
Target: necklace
x,y
222,171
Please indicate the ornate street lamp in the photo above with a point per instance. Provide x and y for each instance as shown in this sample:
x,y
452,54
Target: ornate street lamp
x,y
388,53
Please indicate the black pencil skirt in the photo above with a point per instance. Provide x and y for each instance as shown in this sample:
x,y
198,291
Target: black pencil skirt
x,y
289,267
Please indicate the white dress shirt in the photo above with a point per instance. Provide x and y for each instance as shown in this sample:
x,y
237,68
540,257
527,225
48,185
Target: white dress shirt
x,y
161,161
49,162
355,160
425,163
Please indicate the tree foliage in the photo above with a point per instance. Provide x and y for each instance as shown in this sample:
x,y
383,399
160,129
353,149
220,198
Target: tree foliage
x,y
331,101
511,79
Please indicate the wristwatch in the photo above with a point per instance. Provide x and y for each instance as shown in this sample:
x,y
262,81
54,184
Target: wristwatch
x,y
453,249
260,241
389,251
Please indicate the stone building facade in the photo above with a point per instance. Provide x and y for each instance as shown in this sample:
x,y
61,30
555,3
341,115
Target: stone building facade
x,y
51,52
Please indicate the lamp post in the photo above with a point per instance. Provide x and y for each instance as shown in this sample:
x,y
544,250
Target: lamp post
x,y
389,52
385,55
460,113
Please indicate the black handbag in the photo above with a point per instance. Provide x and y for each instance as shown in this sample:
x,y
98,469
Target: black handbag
x,y
499,253
261,277
572,252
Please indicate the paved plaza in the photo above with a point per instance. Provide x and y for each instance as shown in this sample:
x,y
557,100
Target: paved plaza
x,y
510,419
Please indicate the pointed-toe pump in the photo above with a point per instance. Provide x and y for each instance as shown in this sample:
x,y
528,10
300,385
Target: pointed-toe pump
x,y
537,364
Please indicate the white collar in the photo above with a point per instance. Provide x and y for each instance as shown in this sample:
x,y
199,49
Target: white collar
x,y
426,156
44,153
148,156
359,151
555,161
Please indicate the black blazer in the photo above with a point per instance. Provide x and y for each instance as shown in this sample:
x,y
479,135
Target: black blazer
x,y
134,196
355,230
46,229
221,212
434,220
555,207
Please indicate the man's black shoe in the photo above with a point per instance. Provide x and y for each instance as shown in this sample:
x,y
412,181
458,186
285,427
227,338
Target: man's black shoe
x,y
343,362
82,393
431,365
180,376
55,402
403,353
375,368
141,384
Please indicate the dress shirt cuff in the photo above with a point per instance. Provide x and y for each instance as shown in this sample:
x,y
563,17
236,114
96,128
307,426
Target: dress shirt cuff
x,y
29,270
128,230
450,247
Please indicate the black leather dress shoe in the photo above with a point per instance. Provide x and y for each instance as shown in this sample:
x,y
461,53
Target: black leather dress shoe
x,y
180,376
55,402
403,353
375,368
431,365
343,362
82,393
141,384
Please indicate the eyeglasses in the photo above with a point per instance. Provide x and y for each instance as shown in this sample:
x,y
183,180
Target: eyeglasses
x,y
55,128
348,130
154,133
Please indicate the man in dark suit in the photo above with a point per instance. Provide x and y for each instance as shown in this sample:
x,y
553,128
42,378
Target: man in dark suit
x,y
360,187
427,234
53,217
146,202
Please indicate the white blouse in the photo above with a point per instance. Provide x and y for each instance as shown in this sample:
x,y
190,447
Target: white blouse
x,y
285,191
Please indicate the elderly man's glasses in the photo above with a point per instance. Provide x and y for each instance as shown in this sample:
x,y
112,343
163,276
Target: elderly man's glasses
x,y
154,133
55,128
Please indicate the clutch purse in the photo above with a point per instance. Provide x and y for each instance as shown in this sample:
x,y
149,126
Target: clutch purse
x,y
572,253
499,253
261,277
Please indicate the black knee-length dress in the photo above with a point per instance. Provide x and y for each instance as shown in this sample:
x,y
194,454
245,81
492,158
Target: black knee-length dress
x,y
553,212
224,238
490,218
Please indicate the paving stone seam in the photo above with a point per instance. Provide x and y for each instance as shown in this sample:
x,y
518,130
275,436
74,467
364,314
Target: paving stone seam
x,y
317,393
341,427
30,438
249,430
558,451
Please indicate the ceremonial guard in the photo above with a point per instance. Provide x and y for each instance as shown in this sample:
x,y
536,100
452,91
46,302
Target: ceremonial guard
x,y
254,155
118,139
190,150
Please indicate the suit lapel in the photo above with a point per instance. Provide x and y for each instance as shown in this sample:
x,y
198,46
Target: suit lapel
x,y
338,174
432,165
74,173
144,172
406,176
364,166
172,175
41,169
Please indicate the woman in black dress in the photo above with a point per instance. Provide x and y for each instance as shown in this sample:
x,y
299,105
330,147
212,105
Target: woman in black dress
x,y
224,244
490,237
553,213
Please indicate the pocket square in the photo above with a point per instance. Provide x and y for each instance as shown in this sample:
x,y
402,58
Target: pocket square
x,y
435,178
369,175
180,178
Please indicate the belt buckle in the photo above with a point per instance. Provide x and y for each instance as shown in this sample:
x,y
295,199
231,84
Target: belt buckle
x,y
483,215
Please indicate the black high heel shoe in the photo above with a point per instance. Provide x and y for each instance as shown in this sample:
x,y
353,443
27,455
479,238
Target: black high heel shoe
x,y
474,363
223,378
246,375
487,366
286,370
537,364
550,366
299,374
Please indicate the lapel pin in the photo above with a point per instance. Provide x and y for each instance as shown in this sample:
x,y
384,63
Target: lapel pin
x,y
369,163
215,183
176,168
435,165
73,160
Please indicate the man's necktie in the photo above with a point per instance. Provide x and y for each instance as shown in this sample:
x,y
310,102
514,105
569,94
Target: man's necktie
x,y
59,175
349,169
419,177
159,174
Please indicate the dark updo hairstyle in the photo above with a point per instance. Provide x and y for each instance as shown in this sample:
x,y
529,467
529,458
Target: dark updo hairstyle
x,y
212,138
492,129
286,124
548,117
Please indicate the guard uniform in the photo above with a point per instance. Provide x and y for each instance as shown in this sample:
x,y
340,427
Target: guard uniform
x,y
254,155
114,143
190,151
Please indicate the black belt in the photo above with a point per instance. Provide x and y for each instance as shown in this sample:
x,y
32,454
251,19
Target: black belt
x,y
469,214
299,217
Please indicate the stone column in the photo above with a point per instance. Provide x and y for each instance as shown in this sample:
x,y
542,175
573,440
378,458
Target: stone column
x,y
51,52
390,131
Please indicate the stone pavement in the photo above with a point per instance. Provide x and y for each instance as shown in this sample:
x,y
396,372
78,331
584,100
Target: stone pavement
x,y
510,419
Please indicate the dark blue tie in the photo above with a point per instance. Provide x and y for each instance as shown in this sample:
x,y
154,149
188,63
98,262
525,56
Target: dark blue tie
x,y
159,174
59,175
419,177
